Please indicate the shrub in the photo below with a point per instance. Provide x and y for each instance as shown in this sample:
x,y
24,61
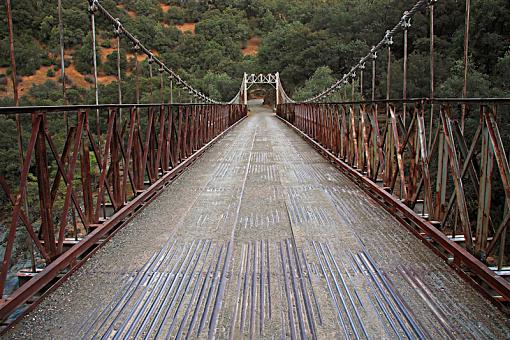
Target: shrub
x,y
106,44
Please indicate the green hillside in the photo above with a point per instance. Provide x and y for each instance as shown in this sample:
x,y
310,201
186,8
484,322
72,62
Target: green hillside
x,y
204,41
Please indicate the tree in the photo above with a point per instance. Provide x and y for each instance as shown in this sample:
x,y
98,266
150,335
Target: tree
x,y
48,93
29,56
319,81
478,83
84,56
176,15
502,72
9,159
296,52
490,27
110,66
220,86
222,25
267,22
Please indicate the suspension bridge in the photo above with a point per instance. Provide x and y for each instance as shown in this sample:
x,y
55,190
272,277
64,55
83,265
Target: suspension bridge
x,y
225,220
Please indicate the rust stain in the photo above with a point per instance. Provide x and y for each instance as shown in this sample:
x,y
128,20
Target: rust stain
x,y
252,46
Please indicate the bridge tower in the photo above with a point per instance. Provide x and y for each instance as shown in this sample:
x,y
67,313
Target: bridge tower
x,y
249,80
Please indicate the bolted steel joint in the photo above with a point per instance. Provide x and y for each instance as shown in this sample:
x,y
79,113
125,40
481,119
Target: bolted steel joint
x,y
118,28
373,53
93,6
388,39
151,59
405,22
136,46
362,65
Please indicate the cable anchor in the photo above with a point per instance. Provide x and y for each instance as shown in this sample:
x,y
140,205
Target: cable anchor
x,y
388,39
405,22
118,28
93,6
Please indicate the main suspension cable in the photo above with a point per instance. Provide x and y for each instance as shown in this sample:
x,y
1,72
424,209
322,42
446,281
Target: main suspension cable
x,y
386,41
96,6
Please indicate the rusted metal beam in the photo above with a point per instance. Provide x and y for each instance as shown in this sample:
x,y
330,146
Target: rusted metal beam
x,y
452,157
69,185
461,258
219,118
25,219
457,179
36,122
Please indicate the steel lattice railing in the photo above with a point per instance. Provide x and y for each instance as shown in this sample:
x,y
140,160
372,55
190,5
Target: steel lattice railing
x,y
444,182
439,165
113,160
104,174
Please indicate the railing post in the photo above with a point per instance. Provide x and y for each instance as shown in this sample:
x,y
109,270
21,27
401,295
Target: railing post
x,y
86,181
485,192
374,141
115,165
442,176
457,178
138,170
389,151
424,160
43,183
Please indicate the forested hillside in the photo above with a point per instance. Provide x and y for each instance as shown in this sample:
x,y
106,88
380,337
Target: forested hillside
x,y
211,44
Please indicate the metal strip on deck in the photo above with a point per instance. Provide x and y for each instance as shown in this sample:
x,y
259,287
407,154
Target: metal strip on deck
x,y
263,238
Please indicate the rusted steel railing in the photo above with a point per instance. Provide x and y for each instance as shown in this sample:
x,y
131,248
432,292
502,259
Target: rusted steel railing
x,y
451,185
84,182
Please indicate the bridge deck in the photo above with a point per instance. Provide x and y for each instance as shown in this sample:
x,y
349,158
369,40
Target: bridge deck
x,y
262,237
